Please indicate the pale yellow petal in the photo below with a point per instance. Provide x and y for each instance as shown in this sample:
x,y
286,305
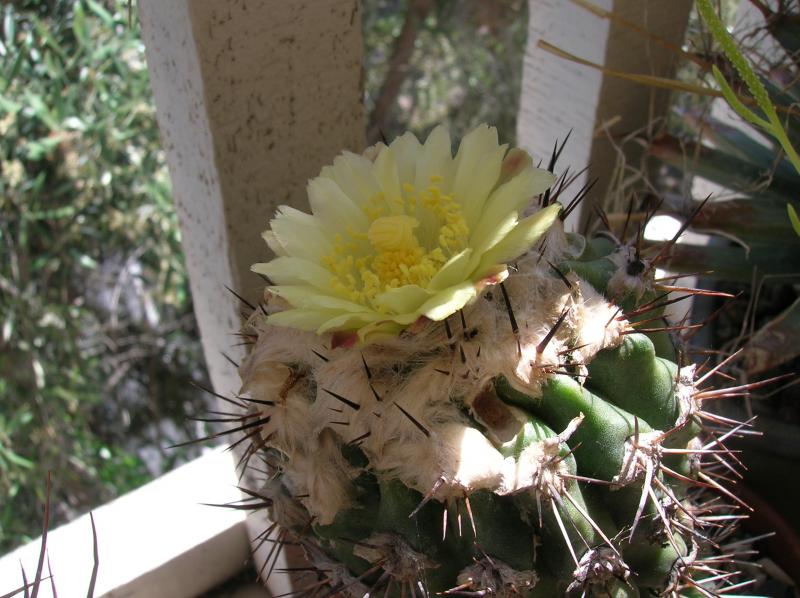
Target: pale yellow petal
x,y
434,167
403,300
516,161
406,148
294,271
300,234
354,175
337,212
453,272
492,237
435,160
347,322
448,302
389,181
478,164
307,297
274,243
302,319
511,197
380,330
521,239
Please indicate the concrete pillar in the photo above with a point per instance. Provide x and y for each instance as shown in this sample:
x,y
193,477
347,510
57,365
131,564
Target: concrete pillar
x,y
558,95
252,99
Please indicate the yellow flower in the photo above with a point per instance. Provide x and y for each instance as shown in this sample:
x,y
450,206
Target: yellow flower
x,y
404,232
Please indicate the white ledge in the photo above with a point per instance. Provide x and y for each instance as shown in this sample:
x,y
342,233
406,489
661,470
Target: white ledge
x,y
157,541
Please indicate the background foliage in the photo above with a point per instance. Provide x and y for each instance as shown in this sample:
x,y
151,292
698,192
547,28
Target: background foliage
x,y
97,336
465,67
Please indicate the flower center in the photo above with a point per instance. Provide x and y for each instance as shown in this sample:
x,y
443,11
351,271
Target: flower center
x,y
393,233
408,241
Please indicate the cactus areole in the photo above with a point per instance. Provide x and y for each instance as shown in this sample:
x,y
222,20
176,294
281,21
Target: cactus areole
x,y
454,396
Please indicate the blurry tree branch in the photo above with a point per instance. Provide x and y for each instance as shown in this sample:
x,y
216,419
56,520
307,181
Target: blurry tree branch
x,y
398,67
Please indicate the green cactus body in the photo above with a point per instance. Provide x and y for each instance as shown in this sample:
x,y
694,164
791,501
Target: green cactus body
x,y
533,445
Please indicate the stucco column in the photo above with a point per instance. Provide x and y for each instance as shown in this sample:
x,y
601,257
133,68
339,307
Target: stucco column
x,y
252,99
558,95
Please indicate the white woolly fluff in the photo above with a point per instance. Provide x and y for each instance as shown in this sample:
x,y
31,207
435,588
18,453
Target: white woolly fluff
x,y
596,326
622,283
685,391
284,507
289,418
407,407
322,476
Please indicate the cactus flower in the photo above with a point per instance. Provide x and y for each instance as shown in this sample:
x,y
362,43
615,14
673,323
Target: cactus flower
x,y
404,232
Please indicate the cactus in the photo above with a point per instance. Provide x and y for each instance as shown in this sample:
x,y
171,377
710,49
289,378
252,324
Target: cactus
x,y
528,434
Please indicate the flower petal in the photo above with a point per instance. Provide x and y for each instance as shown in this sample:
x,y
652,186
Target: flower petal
x,y
337,211
303,319
434,168
306,297
516,161
300,234
521,239
511,197
274,243
377,330
453,272
354,176
406,149
405,299
287,270
389,181
348,322
448,302
435,160
478,164
486,240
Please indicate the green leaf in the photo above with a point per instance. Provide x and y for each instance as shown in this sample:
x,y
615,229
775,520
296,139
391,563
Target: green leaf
x,y
738,60
13,70
776,343
16,459
751,222
733,263
79,27
793,218
736,104
773,124
38,149
9,25
725,169
102,13
41,110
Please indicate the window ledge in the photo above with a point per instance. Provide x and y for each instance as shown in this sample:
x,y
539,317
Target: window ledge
x,y
157,541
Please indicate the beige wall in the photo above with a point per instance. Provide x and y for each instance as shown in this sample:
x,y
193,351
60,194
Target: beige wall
x,y
252,98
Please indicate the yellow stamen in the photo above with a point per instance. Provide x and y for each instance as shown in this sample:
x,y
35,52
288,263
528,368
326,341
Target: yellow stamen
x,y
389,253
393,233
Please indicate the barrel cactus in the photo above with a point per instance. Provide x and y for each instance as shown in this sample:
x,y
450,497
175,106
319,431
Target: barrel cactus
x,y
452,395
